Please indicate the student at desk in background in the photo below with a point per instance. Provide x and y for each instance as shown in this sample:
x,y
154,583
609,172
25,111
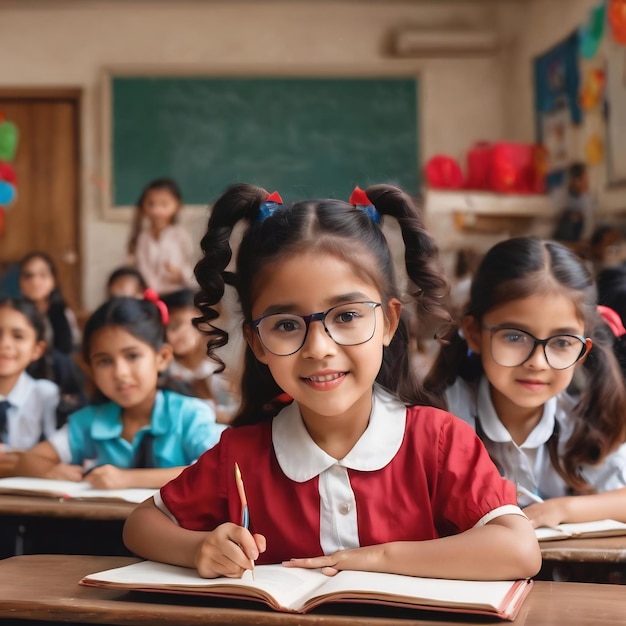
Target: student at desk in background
x,y
126,281
160,247
27,406
141,437
191,365
532,369
354,469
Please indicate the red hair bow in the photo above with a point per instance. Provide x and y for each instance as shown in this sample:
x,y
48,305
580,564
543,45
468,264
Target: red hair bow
x,y
613,320
274,197
271,204
152,296
359,198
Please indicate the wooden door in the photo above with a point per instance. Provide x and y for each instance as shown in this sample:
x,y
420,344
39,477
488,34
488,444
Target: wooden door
x,y
45,216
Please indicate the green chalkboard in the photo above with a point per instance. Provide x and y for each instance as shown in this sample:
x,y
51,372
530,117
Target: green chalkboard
x,y
305,137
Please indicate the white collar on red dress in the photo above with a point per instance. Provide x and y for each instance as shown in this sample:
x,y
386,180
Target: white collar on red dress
x,y
301,458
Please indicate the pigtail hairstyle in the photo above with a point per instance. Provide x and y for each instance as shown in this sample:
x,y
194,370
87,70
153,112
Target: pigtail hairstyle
x,y
601,412
325,226
427,290
522,267
239,202
165,184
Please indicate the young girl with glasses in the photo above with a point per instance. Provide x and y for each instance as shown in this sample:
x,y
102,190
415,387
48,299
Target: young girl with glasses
x,y
346,463
531,369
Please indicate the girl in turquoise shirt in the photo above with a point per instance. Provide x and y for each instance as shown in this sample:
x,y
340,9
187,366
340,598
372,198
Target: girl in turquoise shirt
x,y
141,437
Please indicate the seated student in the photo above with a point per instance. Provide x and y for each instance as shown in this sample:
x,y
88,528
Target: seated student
x,y
141,437
191,366
530,324
126,281
38,282
27,406
577,218
352,469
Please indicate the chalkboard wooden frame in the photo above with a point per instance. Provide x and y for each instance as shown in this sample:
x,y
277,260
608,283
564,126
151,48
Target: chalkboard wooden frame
x,y
111,211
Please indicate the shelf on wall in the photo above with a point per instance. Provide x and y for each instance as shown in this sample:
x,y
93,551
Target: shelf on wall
x,y
485,212
485,203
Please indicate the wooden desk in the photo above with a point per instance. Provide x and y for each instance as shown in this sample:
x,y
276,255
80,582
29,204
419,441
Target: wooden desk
x,y
39,524
44,587
40,506
598,550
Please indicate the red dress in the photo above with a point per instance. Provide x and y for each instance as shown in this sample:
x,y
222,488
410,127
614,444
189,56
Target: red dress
x,y
440,481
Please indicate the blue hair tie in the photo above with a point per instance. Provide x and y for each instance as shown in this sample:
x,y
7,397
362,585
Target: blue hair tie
x,y
272,203
361,202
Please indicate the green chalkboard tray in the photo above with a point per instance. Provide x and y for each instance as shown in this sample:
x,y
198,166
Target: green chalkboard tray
x,y
305,137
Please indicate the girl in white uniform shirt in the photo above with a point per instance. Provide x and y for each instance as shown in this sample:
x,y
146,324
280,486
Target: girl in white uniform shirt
x,y
27,406
160,247
532,323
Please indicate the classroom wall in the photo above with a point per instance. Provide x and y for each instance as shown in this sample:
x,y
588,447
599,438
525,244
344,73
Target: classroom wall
x,y
530,30
69,43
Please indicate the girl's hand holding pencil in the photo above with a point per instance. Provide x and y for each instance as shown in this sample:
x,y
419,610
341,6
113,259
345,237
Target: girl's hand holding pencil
x,y
230,549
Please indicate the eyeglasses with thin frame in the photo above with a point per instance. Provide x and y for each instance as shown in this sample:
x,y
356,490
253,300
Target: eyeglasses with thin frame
x,y
511,347
347,324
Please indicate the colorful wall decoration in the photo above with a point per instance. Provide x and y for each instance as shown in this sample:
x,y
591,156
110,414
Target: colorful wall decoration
x,y
557,85
616,109
8,179
580,96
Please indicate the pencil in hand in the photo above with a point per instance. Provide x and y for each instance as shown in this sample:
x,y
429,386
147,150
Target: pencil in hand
x,y
245,515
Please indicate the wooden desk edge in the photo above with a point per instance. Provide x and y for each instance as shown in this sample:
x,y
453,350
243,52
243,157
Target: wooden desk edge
x,y
52,579
43,506
590,550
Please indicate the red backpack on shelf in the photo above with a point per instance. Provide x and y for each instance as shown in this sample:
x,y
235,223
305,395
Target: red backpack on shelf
x,y
444,172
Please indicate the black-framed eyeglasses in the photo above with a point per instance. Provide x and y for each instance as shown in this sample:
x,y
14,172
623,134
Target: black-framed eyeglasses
x,y
348,324
511,347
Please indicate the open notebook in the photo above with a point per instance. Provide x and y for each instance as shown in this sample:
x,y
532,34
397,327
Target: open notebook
x,y
70,490
599,528
300,590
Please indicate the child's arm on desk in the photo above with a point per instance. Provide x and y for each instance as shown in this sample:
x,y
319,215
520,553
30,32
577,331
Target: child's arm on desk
x,y
570,509
503,549
225,551
42,461
112,477
8,461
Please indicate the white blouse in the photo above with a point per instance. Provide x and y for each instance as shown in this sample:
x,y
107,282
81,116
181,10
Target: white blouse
x,y
32,414
173,248
529,465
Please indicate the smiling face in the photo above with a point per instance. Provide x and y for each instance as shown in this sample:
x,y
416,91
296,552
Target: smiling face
x,y
124,368
18,346
327,380
514,390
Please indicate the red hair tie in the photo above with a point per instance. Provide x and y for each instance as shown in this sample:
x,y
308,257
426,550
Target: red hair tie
x,y
613,320
270,205
359,198
152,296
